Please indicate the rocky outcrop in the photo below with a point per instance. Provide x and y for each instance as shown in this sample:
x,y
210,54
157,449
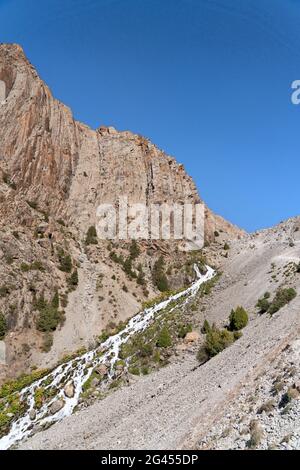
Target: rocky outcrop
x,y
69,168
54,173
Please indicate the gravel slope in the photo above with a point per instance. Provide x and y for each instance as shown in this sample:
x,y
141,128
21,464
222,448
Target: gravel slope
x,y
177,406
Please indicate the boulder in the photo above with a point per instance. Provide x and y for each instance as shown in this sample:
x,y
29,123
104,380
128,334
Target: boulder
x,y
94,382
57,406
32,414
192,337
69,390
102,370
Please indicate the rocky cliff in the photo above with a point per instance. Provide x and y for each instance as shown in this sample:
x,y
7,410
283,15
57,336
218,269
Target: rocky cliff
x,y
54,172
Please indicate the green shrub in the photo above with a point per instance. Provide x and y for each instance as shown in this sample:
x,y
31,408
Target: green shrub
x,y
146,350
3,326
37,266
65,261
226,247
183,330
134,370
141,276
237,335
206,328
91,236
263,304
217,340
55,300
73,280
127,266
49,316
238,319
18,384
5,290
202,355
48,319
282,298
9,258
134,250
158,275
25,267
164,339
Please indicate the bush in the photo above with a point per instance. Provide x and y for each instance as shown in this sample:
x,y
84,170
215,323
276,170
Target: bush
x,y
217,341
238,319
5,290
202,355
282,298
164,339
73,280
263,304
3,326
134,250
25,267
146,350
159,277
49,316
183,330
91,236
127,266
37,266
141,276
206,328
48,319
65,261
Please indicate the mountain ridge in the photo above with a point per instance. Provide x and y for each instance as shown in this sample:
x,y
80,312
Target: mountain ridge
x,y
54,173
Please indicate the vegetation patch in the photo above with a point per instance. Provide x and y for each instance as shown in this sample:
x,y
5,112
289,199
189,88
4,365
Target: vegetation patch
x,y
3,326
238,319
91,236
159,277
65,261
282,298
219,339
50,317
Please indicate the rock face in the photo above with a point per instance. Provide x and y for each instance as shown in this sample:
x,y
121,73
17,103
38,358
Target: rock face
x,y
71,168
56,406
54,173
69,390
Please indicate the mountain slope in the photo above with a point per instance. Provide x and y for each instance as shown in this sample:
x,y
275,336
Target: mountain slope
x,y
54,173
221,403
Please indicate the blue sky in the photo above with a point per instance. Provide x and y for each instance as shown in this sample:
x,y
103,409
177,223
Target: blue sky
x,y
208,81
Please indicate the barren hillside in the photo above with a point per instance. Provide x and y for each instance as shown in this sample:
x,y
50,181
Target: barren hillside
x,y
246,396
